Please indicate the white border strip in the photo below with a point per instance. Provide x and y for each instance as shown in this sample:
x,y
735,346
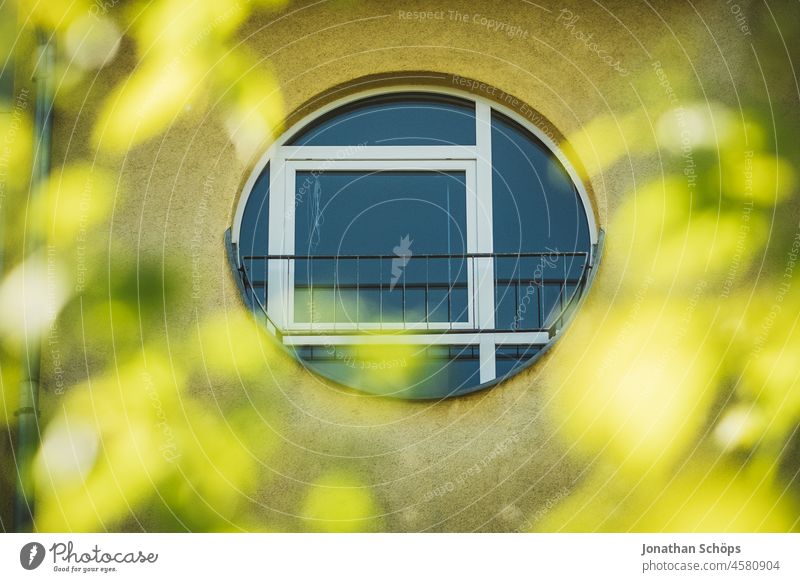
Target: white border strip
x,y
502,338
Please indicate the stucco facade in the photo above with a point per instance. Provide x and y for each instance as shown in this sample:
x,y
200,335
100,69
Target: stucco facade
x,y
491,461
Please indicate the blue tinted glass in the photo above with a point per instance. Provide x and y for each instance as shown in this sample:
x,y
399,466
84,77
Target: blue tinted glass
x,y
254,236
373,213
532,292
536,209
401,119
535,204
423,372
372,234
510,358
387,247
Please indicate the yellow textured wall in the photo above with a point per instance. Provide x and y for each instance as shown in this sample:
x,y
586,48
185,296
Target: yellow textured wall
x,y
490,461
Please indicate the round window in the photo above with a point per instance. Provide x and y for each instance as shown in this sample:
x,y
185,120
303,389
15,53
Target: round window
x,y
414,244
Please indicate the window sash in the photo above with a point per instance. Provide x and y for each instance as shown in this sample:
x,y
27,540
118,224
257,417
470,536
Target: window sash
x,y
362,153
281,302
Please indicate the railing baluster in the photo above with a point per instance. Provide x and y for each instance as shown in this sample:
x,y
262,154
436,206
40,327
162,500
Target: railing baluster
x,y
517,300
497,295
427,296
540,293
335,290
403,308
449,295
312,311
358,294
563,294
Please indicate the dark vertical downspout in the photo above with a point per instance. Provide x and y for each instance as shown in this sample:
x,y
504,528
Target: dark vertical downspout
x,y
28,412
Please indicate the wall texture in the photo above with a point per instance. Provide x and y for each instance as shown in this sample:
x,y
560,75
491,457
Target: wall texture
x,y
491,461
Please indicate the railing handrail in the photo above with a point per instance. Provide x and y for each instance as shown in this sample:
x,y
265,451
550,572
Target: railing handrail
x,y
551,329
417,256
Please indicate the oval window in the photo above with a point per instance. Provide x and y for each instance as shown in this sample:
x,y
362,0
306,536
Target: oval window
x,y
414,244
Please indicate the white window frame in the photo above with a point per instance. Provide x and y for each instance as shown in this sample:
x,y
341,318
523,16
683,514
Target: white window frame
x,y
286,160
285,277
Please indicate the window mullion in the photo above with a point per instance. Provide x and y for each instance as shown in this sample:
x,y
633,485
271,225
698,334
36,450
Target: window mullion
x,y
279,226
484,232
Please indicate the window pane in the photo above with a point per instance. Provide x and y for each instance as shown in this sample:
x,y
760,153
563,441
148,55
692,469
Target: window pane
x,y
536,209
372,233
254,237
400,119
535,204
408,371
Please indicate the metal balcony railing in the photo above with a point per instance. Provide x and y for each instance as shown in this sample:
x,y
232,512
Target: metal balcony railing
x,y
437,293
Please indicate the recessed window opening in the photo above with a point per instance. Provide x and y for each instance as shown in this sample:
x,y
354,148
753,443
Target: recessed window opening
x,y
414,243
